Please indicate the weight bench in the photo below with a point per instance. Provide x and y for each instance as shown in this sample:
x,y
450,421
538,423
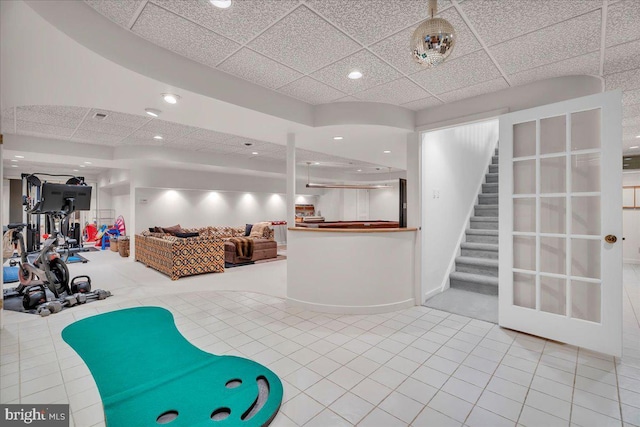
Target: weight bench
x,y
147,374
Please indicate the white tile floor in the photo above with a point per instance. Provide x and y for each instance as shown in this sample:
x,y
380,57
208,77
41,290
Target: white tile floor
x,y
418,367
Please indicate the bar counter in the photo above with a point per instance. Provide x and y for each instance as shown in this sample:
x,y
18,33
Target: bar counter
x,y
351,271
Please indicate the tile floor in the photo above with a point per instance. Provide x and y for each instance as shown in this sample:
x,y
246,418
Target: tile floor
x,y
418,367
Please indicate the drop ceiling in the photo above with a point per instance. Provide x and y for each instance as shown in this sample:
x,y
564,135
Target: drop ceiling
x,y
306,48
82,125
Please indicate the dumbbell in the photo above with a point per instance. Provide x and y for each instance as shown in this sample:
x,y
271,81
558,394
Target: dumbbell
x,y
49,308
71,300
102,294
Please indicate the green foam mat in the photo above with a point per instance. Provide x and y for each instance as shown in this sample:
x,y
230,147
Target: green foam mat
x,y
147,373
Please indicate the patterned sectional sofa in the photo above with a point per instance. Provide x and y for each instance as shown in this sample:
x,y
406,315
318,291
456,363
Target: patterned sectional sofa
x,y
178,257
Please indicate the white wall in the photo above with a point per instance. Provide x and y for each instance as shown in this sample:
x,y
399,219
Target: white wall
x,y
198,208
120,201
383,203
5,201
631,224
454,162
330,205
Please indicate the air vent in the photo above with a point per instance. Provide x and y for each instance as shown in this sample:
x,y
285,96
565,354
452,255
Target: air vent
x,y
99,116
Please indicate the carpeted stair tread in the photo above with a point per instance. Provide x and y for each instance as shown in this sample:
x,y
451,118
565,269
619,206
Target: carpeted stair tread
x,y
484,218
480,246
482,262
490,188
474,278
480,232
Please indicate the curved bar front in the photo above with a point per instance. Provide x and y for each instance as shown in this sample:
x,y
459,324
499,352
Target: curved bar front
x,y
351,271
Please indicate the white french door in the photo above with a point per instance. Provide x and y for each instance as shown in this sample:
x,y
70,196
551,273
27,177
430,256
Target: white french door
x,y
560,207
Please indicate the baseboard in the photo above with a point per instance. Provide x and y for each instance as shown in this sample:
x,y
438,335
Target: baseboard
x,y
432,293
349,309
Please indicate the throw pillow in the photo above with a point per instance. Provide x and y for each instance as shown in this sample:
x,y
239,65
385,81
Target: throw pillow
x,y
152,229
185,235
172,230
247,230
258,229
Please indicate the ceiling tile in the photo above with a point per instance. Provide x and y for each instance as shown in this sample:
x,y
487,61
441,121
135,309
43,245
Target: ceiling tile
x,y
57,110
630,132
374,72
259,69
142,138
496,21
564,40
219,148
166,129
241,22
304,41
40,129
396,50
631,111
371,20
182,36
585,64
210,135
186,143
631,121
91,137
622,57
623,20
311,91
121,119
47,119
400,91
108,128
475,90
423,103
468,70
631,97
121,11
8,123
626,80
347,99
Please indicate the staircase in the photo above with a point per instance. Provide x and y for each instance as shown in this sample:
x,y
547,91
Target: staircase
x,y
474,283
477,266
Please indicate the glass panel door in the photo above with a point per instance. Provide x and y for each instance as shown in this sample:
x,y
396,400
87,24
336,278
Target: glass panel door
x,y
560,278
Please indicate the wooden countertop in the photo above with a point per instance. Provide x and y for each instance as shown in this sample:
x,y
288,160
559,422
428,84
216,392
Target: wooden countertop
x,y
353,230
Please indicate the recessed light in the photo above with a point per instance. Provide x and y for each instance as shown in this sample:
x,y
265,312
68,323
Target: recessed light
x,y
355,75
386,151
170,98
14,166
635,146
87,163
637,136
338,138
19,157
82,166
13,160
157,137
76,170
222,4
152,112
255,153
316,163
359,170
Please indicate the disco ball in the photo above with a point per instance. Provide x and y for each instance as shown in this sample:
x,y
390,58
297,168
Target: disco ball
x,y
432,42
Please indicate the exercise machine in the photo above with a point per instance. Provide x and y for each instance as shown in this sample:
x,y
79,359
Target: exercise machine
x,y
45,268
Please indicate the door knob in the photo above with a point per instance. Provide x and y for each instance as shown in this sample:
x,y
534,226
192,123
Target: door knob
x,y
610,238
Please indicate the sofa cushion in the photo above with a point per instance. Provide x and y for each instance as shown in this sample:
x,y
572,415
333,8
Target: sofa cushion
x,y
260,230
173,229
187,234
247,229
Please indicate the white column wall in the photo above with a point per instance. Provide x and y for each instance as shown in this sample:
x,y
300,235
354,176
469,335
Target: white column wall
x,y
631,224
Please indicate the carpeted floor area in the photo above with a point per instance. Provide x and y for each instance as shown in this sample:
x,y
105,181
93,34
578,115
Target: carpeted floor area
x,y
469,304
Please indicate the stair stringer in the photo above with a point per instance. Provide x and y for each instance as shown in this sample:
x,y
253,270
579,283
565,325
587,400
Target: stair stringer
x,y
463,236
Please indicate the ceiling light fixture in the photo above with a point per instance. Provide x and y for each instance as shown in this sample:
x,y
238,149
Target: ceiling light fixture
x,y
338,138
152,112
13,160
316,163
633,147
355,75
76,170
14,166
359,170
170,98
87,163
221,4
386,151
158,137
433,40
255,153
19,157
82,166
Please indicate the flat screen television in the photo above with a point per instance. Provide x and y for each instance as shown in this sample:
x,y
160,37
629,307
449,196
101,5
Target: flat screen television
x,y
63,197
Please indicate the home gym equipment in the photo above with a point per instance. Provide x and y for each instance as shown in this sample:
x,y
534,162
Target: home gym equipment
x,y
45,270
149,388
